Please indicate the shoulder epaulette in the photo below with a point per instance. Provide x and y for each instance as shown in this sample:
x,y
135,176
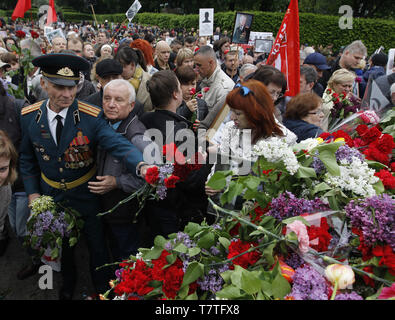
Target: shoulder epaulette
x,y
31,108
88,109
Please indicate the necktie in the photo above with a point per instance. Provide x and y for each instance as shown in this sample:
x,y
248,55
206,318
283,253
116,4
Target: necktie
x,y
59,128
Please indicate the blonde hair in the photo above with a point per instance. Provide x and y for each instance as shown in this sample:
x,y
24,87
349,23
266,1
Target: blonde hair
x,y
182,55
8,151
341,76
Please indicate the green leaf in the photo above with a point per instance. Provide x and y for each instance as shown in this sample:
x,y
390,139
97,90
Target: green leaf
x,y
304,172
252,182
229,292
218,180
72,241
234,190
182,248
171,258
290,220
207,241
152,253
224,242
280,286
321,187
193,251
378,187
327,156
55,253
192,296
160,241
268,254
192,228
194,271
250,282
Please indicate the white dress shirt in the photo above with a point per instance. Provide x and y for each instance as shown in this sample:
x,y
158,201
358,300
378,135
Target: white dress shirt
x,y
52,122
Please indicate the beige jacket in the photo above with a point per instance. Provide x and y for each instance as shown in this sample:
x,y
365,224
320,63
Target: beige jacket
x,y
220,85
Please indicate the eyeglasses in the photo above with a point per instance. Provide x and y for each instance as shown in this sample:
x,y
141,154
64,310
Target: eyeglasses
x,y
318,111
276,95
244,91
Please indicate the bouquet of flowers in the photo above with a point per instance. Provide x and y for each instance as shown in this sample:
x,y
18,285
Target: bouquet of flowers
x,y
290,240
159,179
340,106
49,225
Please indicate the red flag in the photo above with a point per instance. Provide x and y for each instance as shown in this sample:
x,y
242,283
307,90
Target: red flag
x,y
21,7
51,16
285,54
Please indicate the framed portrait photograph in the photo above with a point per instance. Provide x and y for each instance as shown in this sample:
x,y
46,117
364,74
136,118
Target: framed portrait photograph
x,y
263,45
54,34
242,27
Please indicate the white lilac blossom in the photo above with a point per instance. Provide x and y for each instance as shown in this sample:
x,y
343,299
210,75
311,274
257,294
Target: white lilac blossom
x,y
275,150
356,177
307,145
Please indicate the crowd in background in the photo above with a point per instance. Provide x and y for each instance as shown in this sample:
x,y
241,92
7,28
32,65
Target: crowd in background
x,y
163,69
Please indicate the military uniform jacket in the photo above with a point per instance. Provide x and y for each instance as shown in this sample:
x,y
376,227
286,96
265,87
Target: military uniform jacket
x,y
84,129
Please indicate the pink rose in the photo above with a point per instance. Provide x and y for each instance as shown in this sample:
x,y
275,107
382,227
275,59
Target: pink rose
x,y
303,238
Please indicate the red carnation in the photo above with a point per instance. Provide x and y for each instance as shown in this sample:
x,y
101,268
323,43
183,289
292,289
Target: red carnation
x,y
321,234
374,154
341,134
362,128
386,178
371,135
325,135
20,34
172,154
152,175
205,89
388,257
172,281
386,143
237,247
393,166
192,91
171,181
34,34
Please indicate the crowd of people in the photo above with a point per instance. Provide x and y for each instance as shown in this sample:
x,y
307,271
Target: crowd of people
x,y
112,86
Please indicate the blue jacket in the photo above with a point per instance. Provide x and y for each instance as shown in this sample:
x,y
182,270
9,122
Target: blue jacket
x,y
302,129
40,154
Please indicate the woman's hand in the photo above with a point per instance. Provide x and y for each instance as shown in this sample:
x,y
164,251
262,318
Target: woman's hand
x,y
192,105
210,191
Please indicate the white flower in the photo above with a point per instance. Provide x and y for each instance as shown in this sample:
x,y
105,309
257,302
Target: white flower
x,y
356,177
307,144
342,274
275,150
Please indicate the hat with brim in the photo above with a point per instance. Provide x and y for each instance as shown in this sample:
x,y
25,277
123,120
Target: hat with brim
x,y
4,64
318,60
61,68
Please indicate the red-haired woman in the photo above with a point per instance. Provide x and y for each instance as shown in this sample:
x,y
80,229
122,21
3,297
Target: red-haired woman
x,y
252,120
148,53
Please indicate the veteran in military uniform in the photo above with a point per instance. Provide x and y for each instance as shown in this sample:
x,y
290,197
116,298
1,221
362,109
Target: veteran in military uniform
x,y
60,137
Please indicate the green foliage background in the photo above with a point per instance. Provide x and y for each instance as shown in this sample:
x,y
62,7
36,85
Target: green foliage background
x,y
315,29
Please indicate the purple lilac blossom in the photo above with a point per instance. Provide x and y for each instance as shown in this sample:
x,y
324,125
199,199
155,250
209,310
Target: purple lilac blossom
x,y
212,281
347,153
287,206
214,251
308,284
375,217
294,260
348,296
